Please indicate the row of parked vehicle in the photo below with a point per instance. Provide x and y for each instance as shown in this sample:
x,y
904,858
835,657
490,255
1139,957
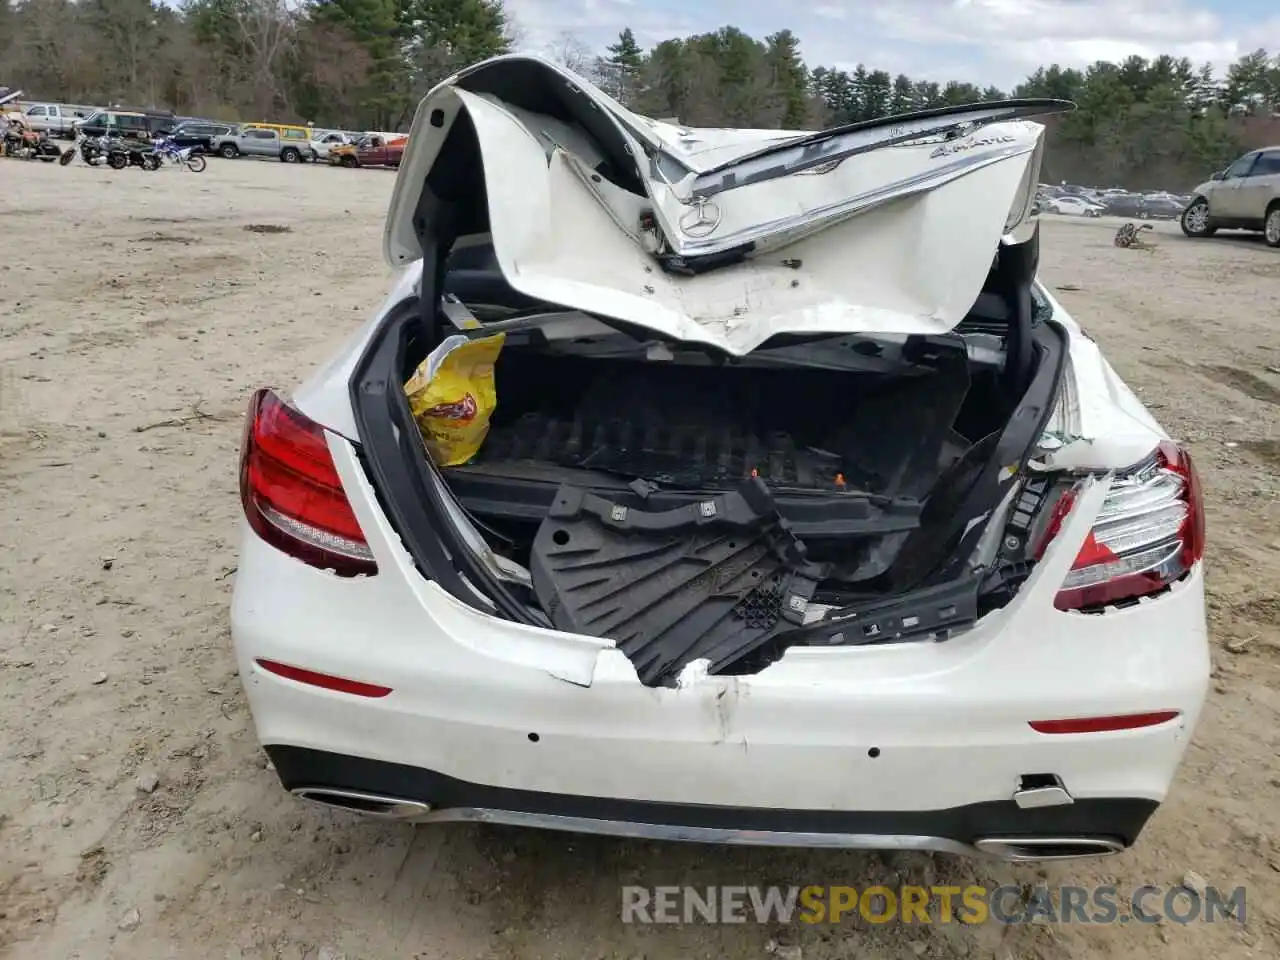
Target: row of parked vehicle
x,y
290,143
1245,195
1075,201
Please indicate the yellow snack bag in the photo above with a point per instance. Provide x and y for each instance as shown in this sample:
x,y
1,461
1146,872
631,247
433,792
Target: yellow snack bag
x,y
452,396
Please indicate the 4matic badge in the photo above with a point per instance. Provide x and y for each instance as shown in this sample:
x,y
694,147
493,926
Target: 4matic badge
x,y
959,146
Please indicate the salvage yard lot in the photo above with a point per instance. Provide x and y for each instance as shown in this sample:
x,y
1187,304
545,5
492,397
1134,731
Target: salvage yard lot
x,y
139,819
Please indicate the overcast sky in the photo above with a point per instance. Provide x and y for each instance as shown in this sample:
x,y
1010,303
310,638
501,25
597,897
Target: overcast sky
x,y
982,41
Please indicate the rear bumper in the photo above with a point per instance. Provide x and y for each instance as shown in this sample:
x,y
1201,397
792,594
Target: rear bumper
x,y
867,745
996,828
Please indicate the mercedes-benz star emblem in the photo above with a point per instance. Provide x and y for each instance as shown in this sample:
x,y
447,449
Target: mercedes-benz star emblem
x,y
701,220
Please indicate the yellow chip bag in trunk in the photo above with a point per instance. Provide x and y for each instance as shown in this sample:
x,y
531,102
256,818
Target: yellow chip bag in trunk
x,y
452,396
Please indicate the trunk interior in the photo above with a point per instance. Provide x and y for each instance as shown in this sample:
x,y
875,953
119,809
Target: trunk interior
x,y
693,506
841,468
849,458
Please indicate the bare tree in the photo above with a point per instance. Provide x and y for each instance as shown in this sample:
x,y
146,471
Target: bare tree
x,y
332,60
129,42
572,53
268,30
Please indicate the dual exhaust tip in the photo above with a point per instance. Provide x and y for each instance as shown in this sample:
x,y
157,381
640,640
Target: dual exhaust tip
x,y
367,804
1011,849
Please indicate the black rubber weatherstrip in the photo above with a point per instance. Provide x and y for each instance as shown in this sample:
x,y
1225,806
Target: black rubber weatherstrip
x,y
1111,817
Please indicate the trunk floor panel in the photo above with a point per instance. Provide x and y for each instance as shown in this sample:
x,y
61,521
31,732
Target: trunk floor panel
x,y
690,455
714,427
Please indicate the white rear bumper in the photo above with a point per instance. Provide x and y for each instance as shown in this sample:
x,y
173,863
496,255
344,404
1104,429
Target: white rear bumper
x,y
798,734
489,713
910,728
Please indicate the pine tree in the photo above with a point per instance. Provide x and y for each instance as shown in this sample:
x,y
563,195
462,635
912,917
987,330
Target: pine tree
x,y
790,78
621,70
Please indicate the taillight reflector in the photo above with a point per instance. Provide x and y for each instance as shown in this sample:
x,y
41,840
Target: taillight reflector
x,y
291,492
1128,721
327,681
1148,533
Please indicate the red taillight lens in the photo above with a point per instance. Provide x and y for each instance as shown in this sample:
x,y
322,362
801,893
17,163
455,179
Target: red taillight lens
x,y
1148,533
291,493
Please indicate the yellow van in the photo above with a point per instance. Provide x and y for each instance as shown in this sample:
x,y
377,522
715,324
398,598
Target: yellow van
x,y
287,131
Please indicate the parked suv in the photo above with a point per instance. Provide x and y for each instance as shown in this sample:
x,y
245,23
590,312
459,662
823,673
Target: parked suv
x,y
136,124
1245,196
200,134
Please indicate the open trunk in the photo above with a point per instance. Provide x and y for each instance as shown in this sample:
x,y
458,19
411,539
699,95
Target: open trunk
x,y
849,457
708,453
694,506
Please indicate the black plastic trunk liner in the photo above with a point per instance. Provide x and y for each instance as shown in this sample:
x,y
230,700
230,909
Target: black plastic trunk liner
x,y
711,428
715,579
687,455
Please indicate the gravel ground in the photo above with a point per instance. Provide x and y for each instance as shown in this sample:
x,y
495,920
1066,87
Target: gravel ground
x,y
140,819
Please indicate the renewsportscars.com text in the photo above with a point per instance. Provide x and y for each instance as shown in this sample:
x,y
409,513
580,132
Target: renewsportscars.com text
x,y
1010,904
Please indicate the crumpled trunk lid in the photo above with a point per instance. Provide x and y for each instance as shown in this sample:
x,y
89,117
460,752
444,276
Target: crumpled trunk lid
x,y
727,237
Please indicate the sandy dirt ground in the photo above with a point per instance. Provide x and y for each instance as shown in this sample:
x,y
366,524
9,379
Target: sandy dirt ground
x,y
138,817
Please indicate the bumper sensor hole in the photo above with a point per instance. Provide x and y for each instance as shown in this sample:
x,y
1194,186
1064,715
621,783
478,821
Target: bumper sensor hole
x,y
873,752
534,738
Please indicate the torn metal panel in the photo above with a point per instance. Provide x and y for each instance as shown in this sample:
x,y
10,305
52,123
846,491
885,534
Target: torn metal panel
x,y
727,237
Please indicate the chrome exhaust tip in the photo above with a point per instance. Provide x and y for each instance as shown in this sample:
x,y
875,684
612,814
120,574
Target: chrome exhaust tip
x,y
366,804
1029,849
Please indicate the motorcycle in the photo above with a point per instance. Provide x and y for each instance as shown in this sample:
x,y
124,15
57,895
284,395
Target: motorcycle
x,y
170,152
90,149
123,153
32,145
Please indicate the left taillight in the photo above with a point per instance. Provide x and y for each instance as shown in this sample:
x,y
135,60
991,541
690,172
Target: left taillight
x,y
1148,533
291,492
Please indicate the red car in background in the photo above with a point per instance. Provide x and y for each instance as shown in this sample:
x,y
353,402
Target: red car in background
x,y
376,151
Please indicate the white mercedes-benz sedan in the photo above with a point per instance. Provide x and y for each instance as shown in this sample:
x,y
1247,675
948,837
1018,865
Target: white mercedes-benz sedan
x,y
806,515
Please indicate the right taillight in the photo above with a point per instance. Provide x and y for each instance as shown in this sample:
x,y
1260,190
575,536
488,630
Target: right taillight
x,y
1148,533
291,492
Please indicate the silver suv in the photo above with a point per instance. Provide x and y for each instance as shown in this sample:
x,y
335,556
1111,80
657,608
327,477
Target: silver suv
x,y
1245,196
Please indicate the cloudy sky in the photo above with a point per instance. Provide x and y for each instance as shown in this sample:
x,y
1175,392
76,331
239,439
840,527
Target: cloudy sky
x,y
982,41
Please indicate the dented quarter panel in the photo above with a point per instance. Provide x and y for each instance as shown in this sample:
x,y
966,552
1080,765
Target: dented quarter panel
x,y
1099,423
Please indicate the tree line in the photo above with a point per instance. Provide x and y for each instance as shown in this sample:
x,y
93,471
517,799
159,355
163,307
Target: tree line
x,y
364,64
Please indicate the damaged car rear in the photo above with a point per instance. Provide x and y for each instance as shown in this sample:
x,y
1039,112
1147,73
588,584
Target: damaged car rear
x,y
805,514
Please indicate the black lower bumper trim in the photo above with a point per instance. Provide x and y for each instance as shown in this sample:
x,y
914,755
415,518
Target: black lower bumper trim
x,y
1119,818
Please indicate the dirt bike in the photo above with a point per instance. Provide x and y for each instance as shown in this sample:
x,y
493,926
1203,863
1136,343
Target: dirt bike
x,y
189,157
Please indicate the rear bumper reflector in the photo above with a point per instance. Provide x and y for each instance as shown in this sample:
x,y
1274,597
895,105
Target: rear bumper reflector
x,y
1128,721
323,680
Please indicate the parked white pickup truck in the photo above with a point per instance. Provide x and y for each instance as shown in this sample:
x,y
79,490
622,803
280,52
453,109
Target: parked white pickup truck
x,y
324,141
56,119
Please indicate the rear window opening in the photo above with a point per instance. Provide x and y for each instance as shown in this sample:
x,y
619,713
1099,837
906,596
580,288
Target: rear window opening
x,y
846,471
